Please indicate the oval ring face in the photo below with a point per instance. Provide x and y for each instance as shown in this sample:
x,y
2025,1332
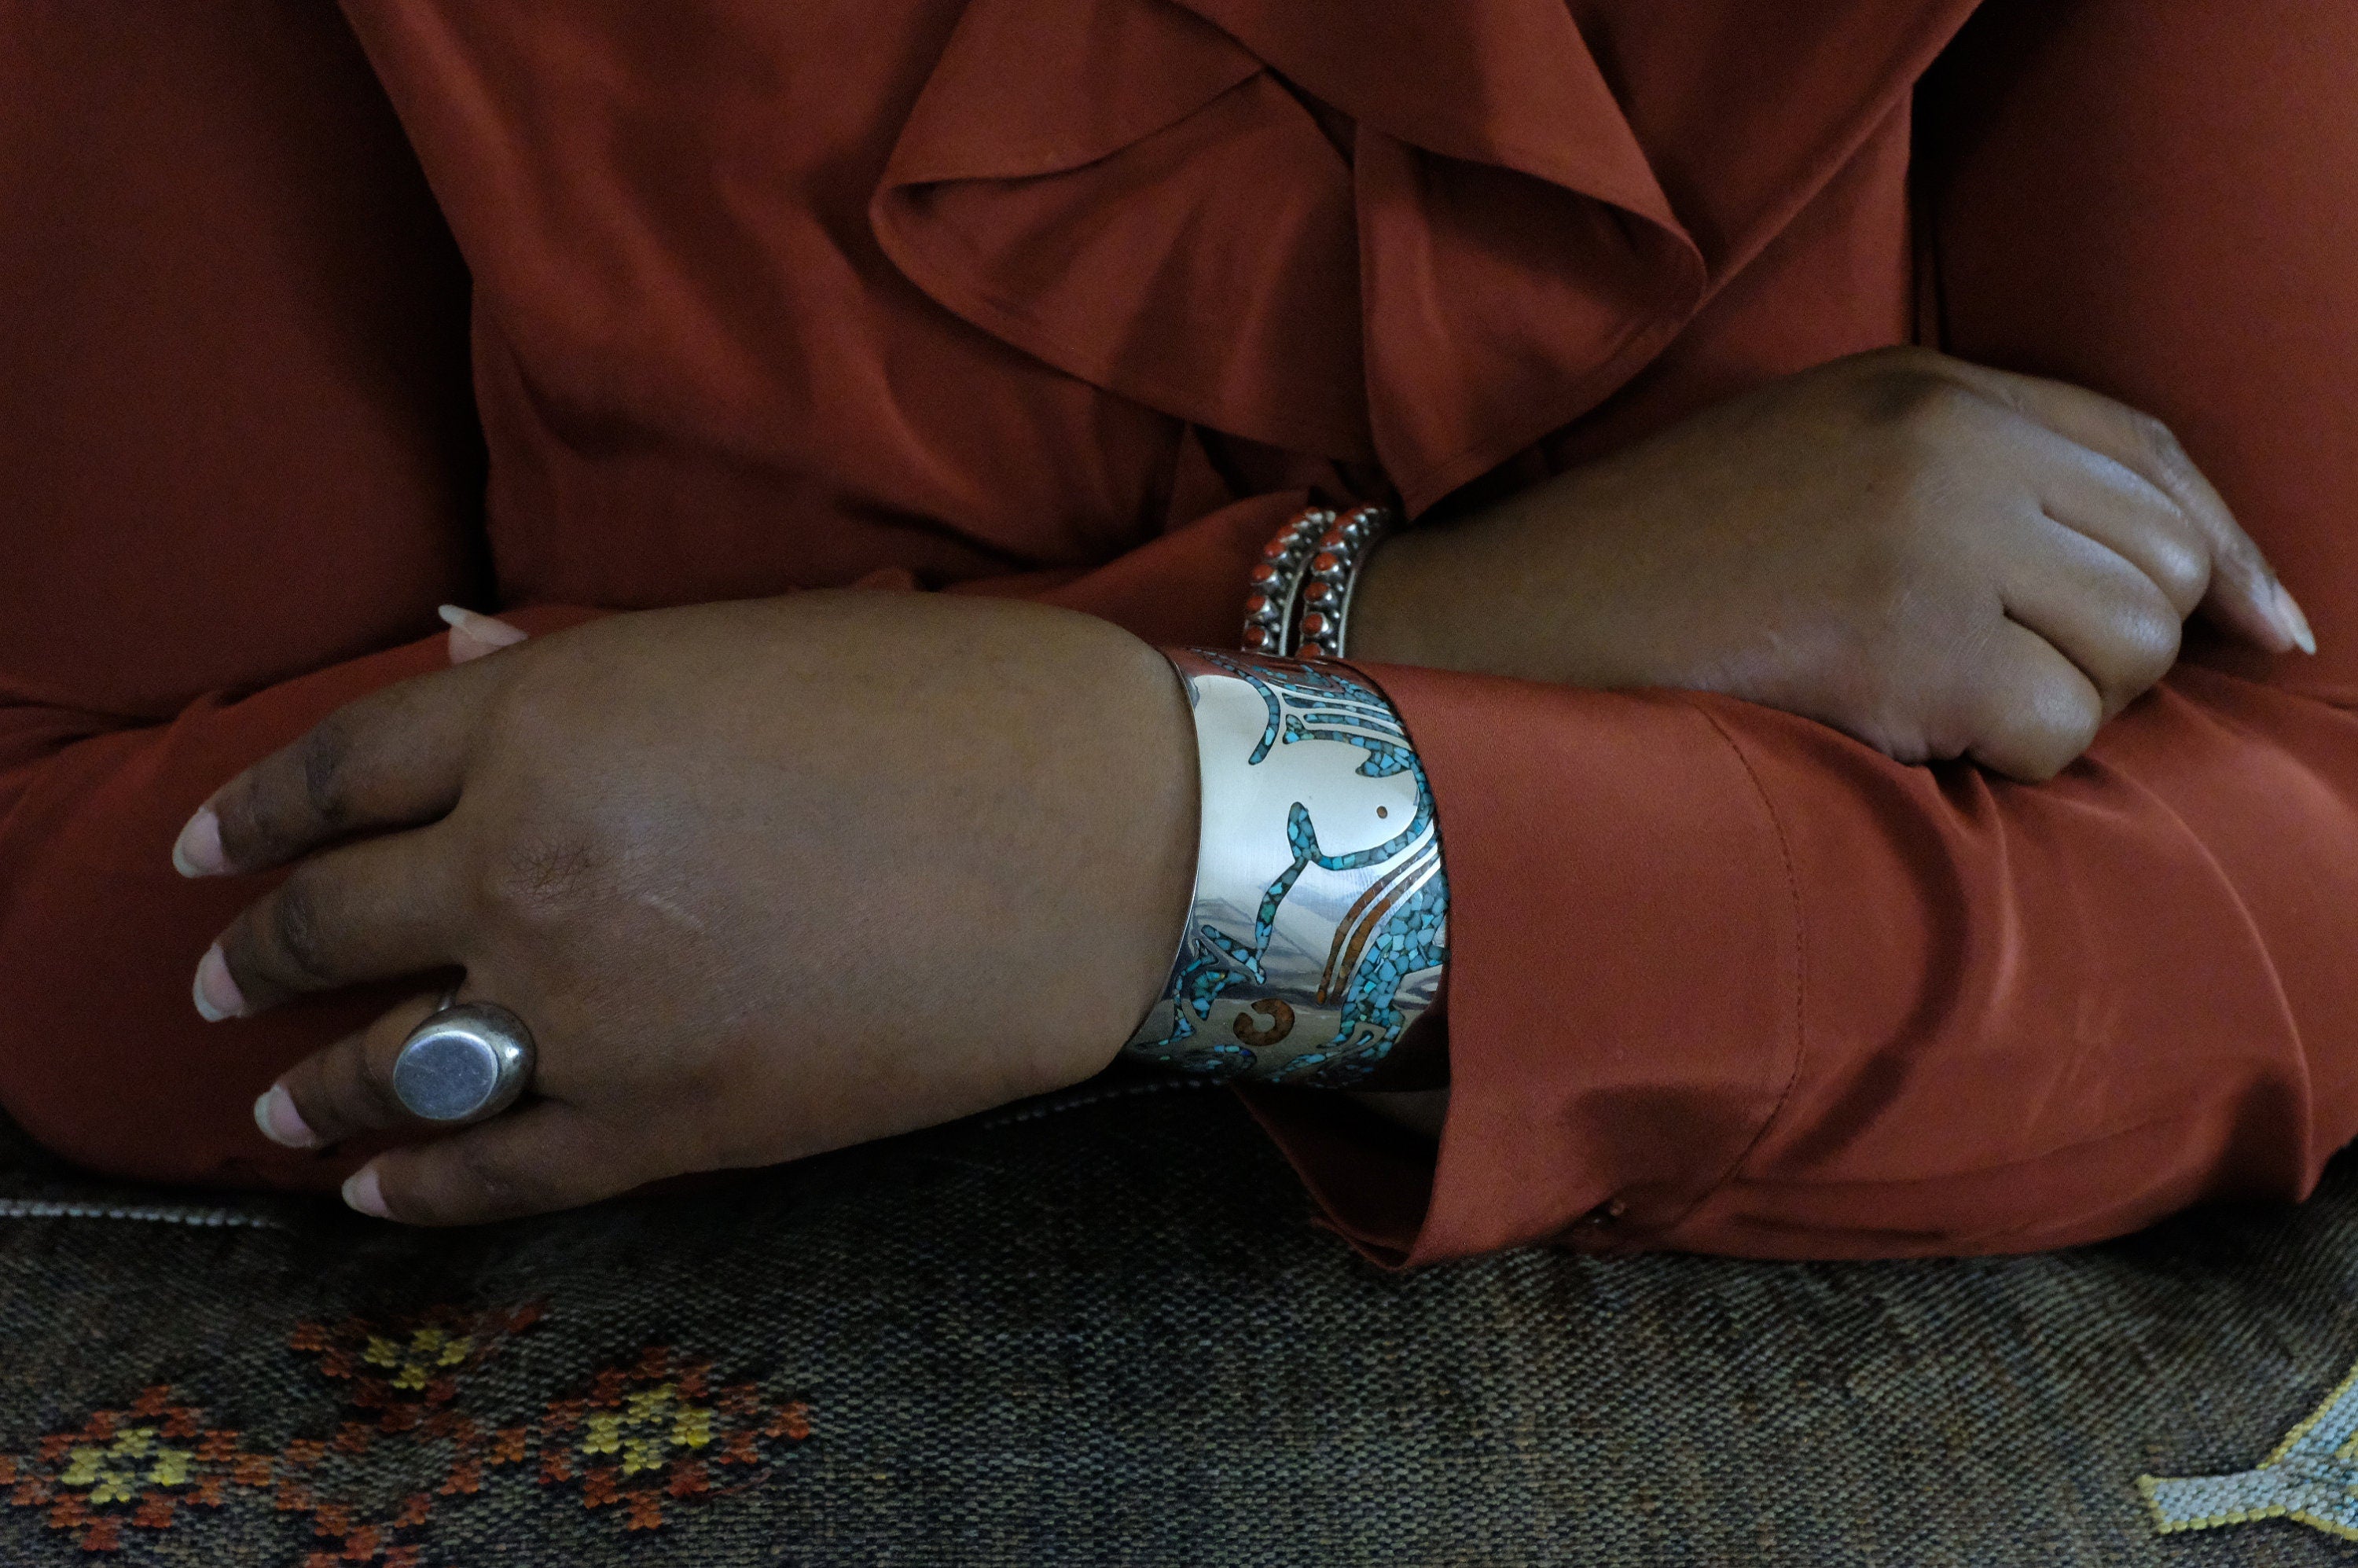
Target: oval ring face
x,y
464,1064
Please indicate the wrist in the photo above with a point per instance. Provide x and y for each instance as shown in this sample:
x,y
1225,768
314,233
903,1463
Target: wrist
x,y
1391,616
1078,797
1171,839
1317,934
1146,910
1436,597
1512,590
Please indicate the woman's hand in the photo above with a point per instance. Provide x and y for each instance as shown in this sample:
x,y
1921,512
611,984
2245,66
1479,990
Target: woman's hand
x,y
764,879
1940,560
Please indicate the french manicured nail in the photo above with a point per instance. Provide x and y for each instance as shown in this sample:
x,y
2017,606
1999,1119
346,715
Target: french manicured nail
x,y
274,1113
198,851
2295,622
362,1192
487,629
216,991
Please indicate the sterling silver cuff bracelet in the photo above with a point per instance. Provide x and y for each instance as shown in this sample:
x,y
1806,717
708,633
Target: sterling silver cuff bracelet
x,y
1319,927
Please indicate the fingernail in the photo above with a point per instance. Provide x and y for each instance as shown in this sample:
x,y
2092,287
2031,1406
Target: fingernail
x,y
198,851
274,1113
362,1193
482,628
2294,624
216,991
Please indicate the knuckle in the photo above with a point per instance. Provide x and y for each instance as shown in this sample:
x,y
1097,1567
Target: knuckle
x,y
288,799
296,944
2033,729
2064,719
1915,399
321,760
371,1102
238,810
2166,458
2031,752
2157,440
1912,359
2181,570
2147,639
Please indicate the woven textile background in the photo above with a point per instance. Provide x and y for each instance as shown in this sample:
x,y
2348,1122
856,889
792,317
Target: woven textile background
x,y
1108,1333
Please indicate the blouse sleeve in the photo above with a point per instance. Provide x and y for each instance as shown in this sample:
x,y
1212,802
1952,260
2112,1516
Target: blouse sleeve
x,y
1725,981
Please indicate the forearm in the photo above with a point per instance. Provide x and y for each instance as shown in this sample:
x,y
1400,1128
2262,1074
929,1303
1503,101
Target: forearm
x,y
1737,984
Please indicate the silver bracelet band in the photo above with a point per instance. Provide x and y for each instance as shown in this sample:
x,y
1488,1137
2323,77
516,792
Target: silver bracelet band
x,y
1298,595
1319,927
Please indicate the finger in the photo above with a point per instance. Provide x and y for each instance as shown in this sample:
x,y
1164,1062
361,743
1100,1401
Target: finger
x,y
2033,712
369,911
541,1157
2095,608
2244,593
472,635
347,1087
393,759
2125,513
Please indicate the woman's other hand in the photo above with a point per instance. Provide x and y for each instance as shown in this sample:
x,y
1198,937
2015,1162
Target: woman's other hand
x,y
764,879
1940,560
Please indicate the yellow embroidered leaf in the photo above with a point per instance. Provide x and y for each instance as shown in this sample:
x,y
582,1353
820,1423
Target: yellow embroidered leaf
x,y
605,1435
693,1427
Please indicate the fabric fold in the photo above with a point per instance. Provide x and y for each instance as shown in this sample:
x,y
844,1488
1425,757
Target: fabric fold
x,y
1184,239
1670,928
1426,238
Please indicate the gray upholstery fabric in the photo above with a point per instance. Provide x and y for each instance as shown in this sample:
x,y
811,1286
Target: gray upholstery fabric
x,y
1108,1332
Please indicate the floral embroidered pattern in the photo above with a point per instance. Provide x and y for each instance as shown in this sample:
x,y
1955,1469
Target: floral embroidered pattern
x,y
121,1470
656,1431
649,1433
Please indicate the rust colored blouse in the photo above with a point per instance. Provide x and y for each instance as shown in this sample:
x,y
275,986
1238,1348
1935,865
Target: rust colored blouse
x,y
1074,299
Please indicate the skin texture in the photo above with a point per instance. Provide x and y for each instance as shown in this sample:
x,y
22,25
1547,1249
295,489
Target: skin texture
x,y
773,877
1939,559
766,878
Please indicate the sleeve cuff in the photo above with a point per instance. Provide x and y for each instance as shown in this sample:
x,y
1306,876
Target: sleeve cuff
x,y
1625,980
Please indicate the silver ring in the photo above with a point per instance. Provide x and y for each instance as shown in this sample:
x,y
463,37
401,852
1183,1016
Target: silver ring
x,y
463,1063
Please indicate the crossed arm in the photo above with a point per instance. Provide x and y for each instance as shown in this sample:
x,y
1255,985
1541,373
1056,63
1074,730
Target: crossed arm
x,y
777,876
